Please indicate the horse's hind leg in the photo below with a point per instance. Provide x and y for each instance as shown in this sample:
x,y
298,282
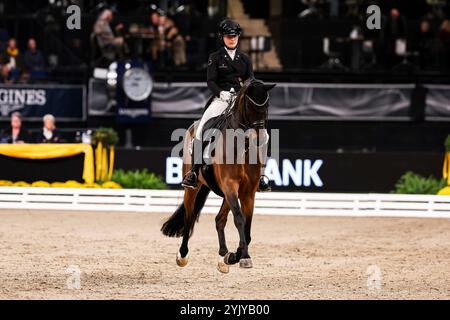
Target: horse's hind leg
x,y
194,199
221,221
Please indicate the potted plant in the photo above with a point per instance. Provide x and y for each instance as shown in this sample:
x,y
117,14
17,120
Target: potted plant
x,y
104,140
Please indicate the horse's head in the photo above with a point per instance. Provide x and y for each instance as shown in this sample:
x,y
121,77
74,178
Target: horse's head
x,y
253,103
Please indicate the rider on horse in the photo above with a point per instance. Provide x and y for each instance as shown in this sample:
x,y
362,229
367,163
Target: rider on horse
x,y
228,69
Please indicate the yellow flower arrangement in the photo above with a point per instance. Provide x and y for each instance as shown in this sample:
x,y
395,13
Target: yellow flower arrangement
x,y
5,183
41,184
111,185
67,184
73,184
21,184
57,185
444,191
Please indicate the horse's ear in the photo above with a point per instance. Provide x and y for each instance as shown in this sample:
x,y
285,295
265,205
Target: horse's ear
x,y
269,87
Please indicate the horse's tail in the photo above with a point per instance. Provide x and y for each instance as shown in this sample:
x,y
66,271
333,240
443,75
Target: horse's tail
x,y
174,226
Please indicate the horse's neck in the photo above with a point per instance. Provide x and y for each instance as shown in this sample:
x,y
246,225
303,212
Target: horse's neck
x,y
237,118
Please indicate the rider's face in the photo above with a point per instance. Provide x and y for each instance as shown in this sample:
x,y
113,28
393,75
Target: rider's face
x,y
230,41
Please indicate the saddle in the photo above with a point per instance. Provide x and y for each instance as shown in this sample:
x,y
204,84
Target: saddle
x,y
219,123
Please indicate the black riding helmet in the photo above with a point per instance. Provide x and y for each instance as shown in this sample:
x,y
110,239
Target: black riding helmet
x,y
229,27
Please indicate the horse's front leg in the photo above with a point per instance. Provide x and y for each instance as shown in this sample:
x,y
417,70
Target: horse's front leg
x,y
247,205
221,221
239,222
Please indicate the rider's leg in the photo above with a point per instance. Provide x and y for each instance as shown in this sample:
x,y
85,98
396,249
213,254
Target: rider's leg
x,y
190,179
216,108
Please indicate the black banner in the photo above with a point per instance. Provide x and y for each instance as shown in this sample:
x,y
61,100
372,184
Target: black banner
x,y
307,171
295,171
299,101
65,102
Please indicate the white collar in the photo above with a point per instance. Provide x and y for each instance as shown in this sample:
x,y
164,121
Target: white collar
x,y
48,134
231,53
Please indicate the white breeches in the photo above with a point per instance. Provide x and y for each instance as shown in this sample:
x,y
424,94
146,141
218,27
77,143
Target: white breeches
x,y
216,108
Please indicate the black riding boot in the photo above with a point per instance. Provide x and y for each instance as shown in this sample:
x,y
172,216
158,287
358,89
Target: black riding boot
x,y
190,179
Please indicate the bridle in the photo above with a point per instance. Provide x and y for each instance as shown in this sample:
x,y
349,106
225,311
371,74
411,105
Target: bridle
x,y
259,108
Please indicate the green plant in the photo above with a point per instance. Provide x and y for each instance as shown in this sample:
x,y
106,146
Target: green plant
x,y
447,143
138,179
107,136
411,183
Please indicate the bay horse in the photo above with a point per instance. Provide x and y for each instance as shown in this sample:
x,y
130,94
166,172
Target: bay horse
x,y
235,182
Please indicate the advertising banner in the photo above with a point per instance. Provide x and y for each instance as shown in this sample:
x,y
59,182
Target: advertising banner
x,y
65,102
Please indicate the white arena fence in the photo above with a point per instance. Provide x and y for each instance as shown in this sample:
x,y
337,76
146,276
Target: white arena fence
x,y
272,203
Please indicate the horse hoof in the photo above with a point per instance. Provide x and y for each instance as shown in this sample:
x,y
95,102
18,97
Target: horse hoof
x,y
246,263
182,262
229,258
223,267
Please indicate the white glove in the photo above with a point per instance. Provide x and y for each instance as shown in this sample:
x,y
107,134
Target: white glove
x,y
225,95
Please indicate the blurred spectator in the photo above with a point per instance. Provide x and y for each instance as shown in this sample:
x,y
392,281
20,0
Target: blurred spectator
x,y
425,43
111,46
4,60
16,133
444,44
160,43
154,28
169,48
154,21
175,43
10,61
34,59
49,133
394,29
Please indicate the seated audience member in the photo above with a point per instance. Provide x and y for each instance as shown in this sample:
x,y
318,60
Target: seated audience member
x,y
33,59
443,42
16,133
169,46
110,45
49,133
396,28
425,44
154,29
4,60
11,59
175,43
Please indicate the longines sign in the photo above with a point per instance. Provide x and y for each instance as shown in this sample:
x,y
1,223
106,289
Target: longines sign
x,y
65,102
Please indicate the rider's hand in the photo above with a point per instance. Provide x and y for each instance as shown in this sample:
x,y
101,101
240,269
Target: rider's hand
x,y
225,95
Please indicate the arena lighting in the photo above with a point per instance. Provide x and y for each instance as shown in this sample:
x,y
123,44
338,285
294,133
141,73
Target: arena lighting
x,y
179,9
100,73
111,75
